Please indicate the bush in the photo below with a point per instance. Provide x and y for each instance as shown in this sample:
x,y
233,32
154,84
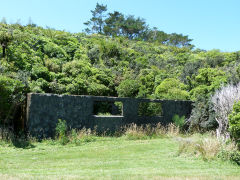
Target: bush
x,y
234,123
171,88
233,156
207,82
128,88
208,147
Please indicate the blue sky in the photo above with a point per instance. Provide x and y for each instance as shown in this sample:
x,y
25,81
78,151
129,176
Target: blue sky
x,y
213,24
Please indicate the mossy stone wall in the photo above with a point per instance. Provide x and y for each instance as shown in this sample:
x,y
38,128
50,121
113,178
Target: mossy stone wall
x,y
44,110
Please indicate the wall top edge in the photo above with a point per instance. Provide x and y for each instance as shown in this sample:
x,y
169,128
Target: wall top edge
x,y
107,98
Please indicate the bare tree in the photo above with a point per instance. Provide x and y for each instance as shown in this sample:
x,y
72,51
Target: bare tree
x,y
223,101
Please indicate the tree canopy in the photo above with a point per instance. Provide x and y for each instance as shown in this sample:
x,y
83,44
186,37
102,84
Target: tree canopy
x,y
117,24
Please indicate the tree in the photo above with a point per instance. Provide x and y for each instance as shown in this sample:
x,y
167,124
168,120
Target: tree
x,y
4,21
133,27
113,24
154,35
179,40
96,23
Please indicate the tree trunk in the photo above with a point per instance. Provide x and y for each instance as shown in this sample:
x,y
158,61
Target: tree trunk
x,y
4,51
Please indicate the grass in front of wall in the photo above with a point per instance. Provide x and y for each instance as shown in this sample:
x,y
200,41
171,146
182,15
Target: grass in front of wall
x,y
109,158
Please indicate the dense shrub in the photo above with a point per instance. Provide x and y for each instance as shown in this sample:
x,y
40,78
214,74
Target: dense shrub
x,y
10,96
202,117
207,81
171,89
128,88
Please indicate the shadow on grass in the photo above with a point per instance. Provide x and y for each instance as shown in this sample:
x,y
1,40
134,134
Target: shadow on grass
x,y
18,139
22,143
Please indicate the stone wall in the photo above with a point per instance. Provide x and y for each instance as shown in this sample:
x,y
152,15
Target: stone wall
x,y
44,110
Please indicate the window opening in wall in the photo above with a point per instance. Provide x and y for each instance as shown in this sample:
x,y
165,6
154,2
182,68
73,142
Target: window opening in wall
x,y
106,108
149,109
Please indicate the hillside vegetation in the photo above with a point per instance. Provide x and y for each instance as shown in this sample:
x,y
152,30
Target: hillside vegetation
x,y
36,59
117,56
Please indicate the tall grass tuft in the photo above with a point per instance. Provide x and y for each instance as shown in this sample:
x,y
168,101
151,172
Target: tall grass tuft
x,y
134,132
82,136
172,130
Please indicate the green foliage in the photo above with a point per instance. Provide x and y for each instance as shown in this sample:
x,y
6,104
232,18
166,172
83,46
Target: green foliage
x,y
39,71
61,132
74,137
202,86
128,88
234,123
113,24
10,96
153,64
233,156
171,89
179,121
149,109
131,27
96,23
202,118
207,81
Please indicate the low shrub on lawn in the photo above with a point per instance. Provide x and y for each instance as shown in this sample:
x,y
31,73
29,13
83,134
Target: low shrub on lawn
x,y
208,147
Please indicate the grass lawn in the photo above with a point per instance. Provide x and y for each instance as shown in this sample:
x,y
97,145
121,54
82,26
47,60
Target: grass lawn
x,y
109,158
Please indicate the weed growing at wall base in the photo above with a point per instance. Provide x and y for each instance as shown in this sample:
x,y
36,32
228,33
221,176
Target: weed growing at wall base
x,y
179,121
82,136
61,132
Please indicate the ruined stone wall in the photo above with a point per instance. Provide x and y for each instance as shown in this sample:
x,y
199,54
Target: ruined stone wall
x,y
44,110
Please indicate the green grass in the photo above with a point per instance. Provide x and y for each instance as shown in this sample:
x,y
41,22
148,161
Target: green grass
x,y
109,158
